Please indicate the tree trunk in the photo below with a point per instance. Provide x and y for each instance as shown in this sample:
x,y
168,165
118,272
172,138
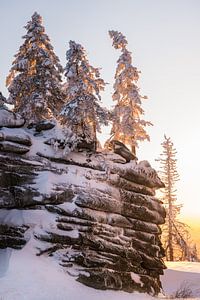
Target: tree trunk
x,y
133,149
171,251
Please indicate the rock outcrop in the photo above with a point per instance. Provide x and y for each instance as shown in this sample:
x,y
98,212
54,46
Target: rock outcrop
x,y
10,119
99,217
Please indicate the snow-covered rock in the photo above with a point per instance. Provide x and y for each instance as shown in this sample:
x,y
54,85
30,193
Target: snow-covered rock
x,y
97,217
13,147
18,136
45,125
14,141
10,119
122,150
12,236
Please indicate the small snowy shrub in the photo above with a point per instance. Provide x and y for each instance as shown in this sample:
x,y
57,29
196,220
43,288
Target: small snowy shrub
x,y
186,290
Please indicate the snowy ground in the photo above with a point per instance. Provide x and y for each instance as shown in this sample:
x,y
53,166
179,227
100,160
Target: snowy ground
x,y
29,278
185,274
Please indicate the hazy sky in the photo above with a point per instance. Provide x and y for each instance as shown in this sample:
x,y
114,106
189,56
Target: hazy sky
x,y
164,37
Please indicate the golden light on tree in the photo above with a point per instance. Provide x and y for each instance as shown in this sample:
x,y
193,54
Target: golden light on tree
x,y
127,127
34,81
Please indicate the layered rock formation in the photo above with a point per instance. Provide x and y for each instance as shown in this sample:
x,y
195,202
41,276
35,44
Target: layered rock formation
x,y
95,213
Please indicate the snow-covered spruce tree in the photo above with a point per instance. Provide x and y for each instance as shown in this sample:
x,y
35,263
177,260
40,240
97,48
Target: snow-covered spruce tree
x,y
34,81
82,112
175,235
128,127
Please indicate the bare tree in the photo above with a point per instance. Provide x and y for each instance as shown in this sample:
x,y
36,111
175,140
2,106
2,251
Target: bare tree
x,y
175,235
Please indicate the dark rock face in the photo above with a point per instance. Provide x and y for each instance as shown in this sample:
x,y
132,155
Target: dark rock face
x,y
122,150
44,125
13,148
116,239
101,217
12,237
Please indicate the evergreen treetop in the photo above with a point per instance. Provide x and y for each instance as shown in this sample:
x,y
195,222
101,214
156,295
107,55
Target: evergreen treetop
x,y
82,112
128,127
34,81
82,78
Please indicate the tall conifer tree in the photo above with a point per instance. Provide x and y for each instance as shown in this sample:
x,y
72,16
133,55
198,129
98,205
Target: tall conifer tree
x,y
34,81
128,127
82,112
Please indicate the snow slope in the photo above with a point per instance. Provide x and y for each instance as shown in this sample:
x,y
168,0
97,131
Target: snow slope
x,y
30,277
182,274
25,276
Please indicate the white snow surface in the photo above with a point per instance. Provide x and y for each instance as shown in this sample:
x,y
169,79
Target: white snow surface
x,y
25,276
30,277
47,181
182,274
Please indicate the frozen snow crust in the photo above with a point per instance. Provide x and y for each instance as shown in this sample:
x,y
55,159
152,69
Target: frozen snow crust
x,y
94,214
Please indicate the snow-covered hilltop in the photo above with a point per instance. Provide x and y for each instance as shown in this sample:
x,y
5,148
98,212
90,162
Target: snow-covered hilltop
x,y
95,213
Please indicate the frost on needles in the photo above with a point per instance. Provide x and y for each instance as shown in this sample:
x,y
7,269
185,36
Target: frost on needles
x,y
82,112
128,127
34,81
37,92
